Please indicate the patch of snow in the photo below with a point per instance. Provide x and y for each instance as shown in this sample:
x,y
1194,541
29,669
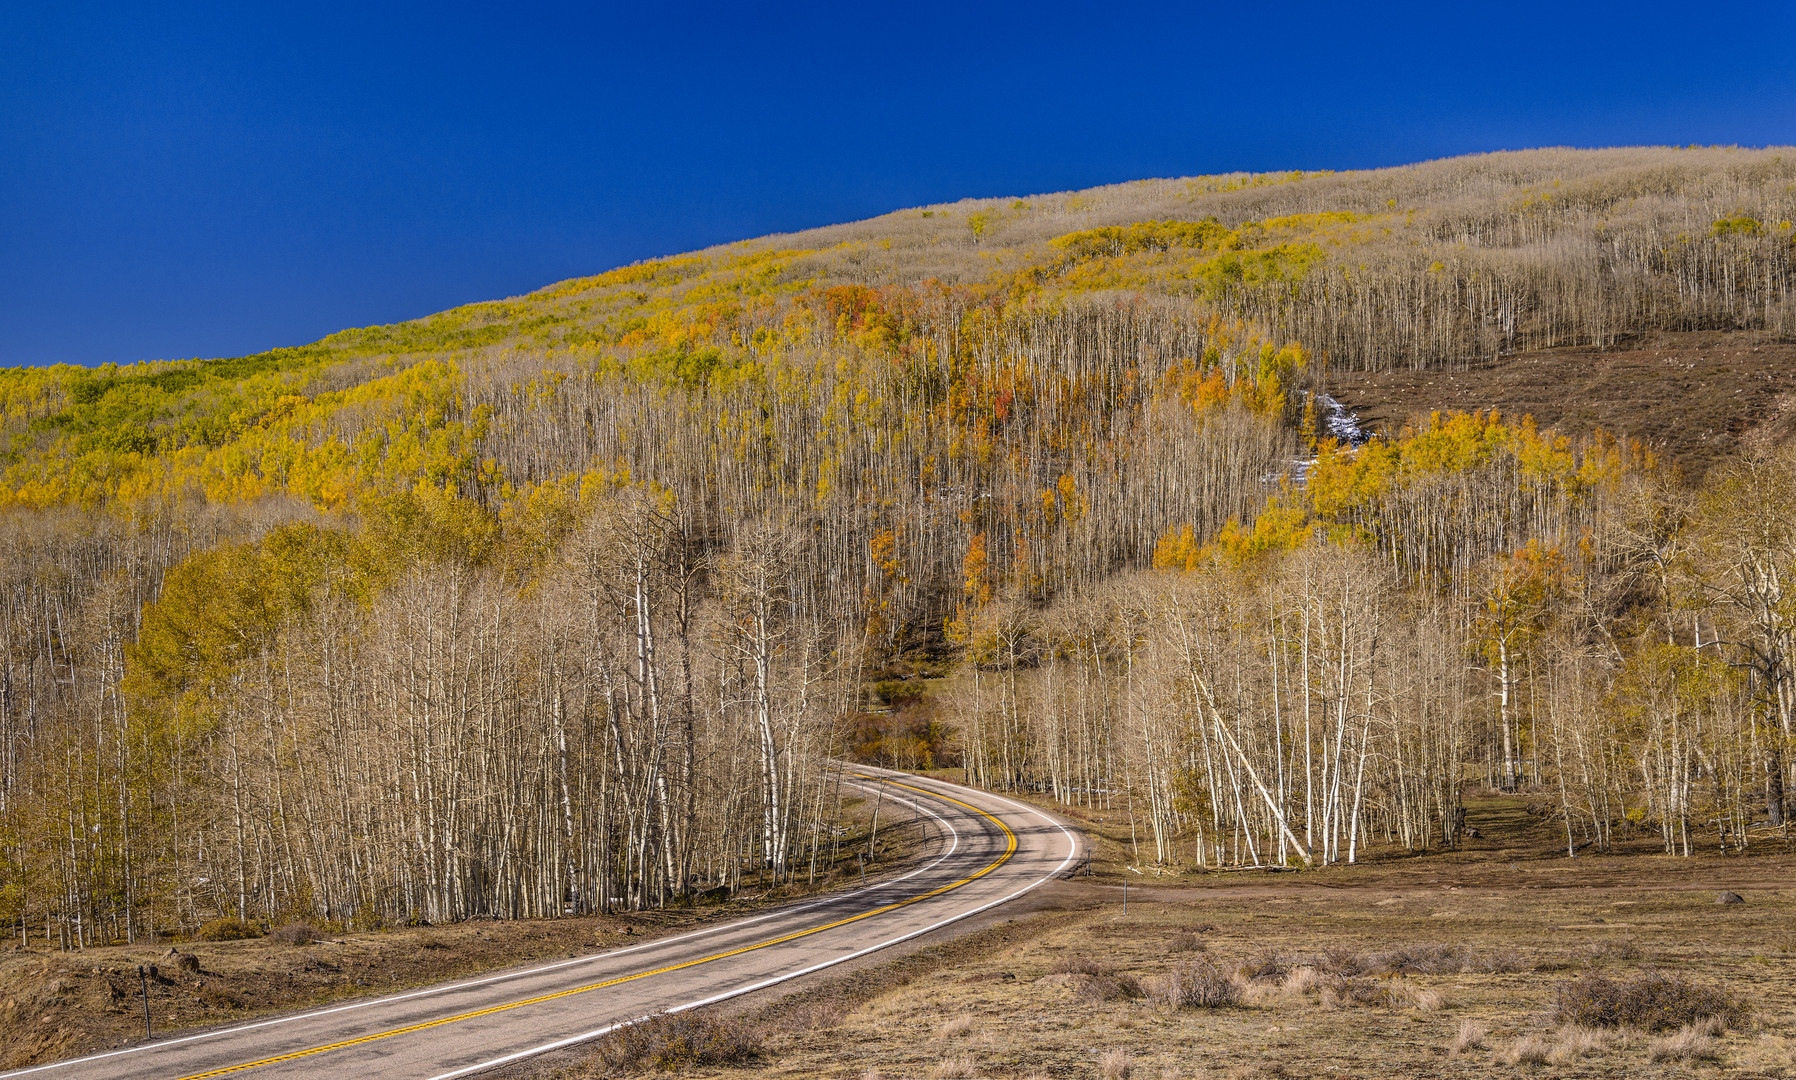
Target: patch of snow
x,y
1340,424
1337,423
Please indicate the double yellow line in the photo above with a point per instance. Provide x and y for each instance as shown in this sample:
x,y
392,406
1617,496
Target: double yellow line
x,y
1010,844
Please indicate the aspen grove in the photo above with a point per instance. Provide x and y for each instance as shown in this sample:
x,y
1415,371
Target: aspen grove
x,y
576,601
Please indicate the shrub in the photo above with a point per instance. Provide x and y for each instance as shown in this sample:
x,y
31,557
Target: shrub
x,y
1196,984
1268,964
1622,950
1078,965
219,998
669,1042
297,934
1341,961
1101,988
897,691
229,930
814,1015
1185,941
1493,964
1377,994
1653,1001
1420,960
1302,981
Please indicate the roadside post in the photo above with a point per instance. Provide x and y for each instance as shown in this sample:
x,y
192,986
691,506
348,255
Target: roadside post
x,y
143,980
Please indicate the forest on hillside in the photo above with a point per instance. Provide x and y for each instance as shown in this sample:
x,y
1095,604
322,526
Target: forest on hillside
x,y
565,602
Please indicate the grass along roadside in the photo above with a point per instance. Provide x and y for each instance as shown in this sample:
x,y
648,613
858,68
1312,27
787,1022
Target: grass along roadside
x,y
56,1004
1321,980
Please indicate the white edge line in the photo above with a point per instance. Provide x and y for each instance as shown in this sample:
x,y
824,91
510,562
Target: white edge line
x,y
1072,851
593,958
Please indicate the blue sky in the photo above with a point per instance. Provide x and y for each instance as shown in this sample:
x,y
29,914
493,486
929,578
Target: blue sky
x,y
192,180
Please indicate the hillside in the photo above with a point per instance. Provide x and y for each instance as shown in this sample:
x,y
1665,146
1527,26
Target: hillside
x,y
1423,268
1689,396
564,602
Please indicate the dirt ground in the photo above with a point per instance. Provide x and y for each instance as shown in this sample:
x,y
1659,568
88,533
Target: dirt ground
x,y
1688,396
1515,919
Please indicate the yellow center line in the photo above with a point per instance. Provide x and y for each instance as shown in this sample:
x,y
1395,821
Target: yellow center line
x,y
1009,850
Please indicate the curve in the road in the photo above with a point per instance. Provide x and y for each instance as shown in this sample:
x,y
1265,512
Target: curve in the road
x,y
301,1053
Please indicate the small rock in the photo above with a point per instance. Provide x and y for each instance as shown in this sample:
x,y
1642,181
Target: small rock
x,y
1729,898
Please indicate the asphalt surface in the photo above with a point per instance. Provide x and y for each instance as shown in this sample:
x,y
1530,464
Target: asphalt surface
x,y
991,850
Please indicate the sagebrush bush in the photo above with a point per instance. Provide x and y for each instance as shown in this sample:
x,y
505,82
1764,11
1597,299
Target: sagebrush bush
x,y
669,1042
1195,984
1110,987
1415,960
297,934
1653,1001
1266,964
814,1015
1623,950
1420,960
214,997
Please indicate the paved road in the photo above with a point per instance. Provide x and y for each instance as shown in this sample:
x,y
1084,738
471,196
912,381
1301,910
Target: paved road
x,y
992,850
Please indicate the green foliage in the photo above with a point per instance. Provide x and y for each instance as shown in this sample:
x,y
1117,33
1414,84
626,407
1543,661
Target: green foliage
x,y
1736,226
1117,240
897,691
229,930
683,364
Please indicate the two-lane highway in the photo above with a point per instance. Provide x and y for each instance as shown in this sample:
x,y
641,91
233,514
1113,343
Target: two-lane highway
x,y
993,850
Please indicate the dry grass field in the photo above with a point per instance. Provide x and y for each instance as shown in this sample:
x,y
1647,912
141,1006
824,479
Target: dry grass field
x,y
1330,982
1463,964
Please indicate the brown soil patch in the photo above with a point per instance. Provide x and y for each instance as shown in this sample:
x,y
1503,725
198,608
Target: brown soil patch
x,y
1688,396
